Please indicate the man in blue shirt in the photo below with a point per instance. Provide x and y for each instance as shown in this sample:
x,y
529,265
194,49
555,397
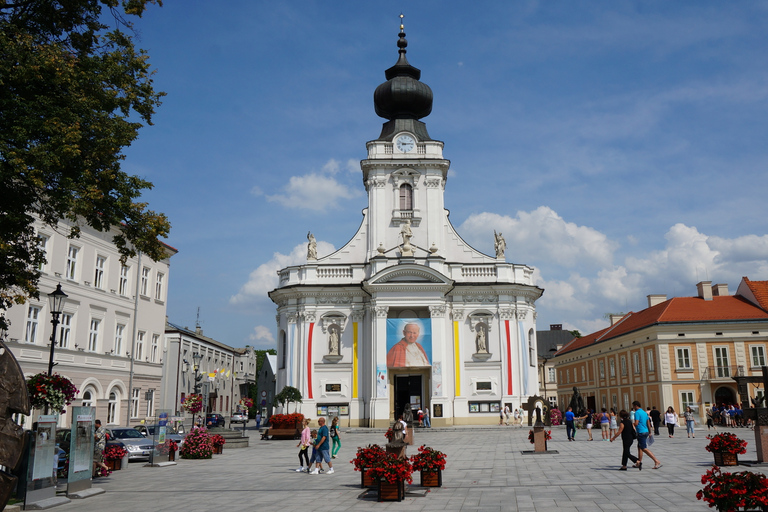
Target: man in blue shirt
x,y
643,427
570,427
323,448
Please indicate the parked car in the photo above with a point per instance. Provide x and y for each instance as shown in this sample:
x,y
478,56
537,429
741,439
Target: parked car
x,y
239,417
214,420
138,446
148,431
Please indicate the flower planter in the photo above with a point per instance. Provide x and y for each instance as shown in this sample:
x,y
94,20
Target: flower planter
x,y
366,480
432,478
391,492
114,464
218,450
726,459
171,455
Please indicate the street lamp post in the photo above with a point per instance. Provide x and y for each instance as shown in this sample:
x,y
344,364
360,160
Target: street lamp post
x,y
196,358
56,300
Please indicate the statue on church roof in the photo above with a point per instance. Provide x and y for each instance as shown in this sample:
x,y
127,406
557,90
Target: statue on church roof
x,y
405,231
499,244
311,247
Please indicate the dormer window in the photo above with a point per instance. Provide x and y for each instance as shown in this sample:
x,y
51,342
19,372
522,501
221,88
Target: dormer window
x,y
406,197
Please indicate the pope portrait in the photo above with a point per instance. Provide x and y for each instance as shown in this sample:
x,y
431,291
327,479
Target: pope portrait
x,y
408,351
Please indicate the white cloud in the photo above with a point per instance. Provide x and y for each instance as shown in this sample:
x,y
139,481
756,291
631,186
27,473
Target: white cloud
x,y
261,333
318,191
264,278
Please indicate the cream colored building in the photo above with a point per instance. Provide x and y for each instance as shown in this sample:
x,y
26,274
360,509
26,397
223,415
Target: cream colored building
x,y
109,341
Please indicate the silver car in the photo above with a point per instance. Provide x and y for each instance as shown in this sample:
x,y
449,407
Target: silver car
x,y
138,446
149,431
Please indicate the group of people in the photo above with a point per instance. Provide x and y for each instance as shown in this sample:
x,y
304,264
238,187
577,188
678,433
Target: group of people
x,y
517,417
727,416
423,416
320,440
640,429
609,421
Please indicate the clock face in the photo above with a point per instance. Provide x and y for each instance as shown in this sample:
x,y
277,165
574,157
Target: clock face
x,y
405,143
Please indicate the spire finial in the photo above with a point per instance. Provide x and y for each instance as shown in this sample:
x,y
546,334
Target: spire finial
x,y
402,43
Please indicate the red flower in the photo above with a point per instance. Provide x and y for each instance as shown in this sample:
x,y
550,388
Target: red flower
x,y
428,459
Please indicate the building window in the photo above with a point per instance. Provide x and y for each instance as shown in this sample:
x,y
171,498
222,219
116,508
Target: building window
x,y
71,269
112,408
42,244
135,402
612,368
568,376
626,402
551,375
122,289
153,348
119,330
759,394
87,398
98,278
686,399
614,401
93,335
636,362
33,316
145,281
159,286
140,345
721,361
683,358
623,362
651,367
532,350
151,403
406,197
758,355
583,374
65,330
601,367
483,385
283,349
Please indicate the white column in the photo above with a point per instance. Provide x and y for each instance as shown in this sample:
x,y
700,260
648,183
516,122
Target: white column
x,y
379,405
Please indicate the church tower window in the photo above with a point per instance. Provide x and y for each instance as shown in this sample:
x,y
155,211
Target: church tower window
x,y
406,197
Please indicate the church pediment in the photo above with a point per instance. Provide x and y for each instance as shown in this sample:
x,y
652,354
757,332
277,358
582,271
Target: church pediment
x,y
410,276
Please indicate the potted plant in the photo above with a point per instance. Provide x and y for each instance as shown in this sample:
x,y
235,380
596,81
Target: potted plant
x,y
555,417
113,456
193,404
390,477
547,436
197,445
169,448
726,448
52,391
218,443
367,458
431,464
734,491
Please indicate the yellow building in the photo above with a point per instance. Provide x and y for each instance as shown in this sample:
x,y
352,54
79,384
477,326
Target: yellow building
x,y
677,352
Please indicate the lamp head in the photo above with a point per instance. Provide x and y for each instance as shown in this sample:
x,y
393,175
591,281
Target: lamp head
x,y
56,300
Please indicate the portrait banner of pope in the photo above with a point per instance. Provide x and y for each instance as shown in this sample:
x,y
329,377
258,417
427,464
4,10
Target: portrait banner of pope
x,y
409,342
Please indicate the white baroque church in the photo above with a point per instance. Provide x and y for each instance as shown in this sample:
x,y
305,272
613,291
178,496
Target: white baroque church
x,y
407,312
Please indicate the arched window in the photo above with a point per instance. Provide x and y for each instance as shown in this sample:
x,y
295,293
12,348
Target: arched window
x,y
283,349
531,349
87,398
406,197
113,408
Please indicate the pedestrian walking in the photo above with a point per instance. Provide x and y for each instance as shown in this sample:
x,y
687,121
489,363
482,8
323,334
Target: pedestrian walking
x,y
710,420
570,426
303,446
655,419
670,418
605,424
589,422
506,415
614,422
335,438
689,421
427,423
627,432
642,425
323,449
258,421
515,417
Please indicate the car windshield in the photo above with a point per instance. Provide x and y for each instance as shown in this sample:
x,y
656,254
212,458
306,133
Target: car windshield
x,y
168,429
127,433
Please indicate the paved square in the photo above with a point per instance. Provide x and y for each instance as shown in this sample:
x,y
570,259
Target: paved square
x,y
486,471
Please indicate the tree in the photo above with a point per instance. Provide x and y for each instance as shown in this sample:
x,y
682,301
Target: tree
x,y
72,96
575,333
288,394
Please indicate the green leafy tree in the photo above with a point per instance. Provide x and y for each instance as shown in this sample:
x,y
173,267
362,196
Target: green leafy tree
x,y
575,333
287,395
73,95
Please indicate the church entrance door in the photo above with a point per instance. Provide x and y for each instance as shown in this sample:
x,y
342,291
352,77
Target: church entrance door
x,y
408,390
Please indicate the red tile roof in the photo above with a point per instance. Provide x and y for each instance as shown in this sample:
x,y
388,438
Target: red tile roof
x,y
678,310
760,290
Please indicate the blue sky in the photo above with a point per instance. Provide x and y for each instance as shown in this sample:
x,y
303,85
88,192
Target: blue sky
x,y
619,146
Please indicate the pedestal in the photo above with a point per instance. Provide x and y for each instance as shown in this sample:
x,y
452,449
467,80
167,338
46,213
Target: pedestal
x,y
539,439
761,442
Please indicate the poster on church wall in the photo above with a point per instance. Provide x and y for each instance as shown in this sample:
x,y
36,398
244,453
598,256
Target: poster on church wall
x,y
409,342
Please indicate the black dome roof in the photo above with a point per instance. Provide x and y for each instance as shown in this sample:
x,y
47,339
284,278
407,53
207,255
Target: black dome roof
x,y
402,96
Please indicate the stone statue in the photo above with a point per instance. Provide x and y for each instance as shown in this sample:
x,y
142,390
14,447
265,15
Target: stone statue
x,y
577,403
333,340
408,415
311,247
482,345
405,231
499,244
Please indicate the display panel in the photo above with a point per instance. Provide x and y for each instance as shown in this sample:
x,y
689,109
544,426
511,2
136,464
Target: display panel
x,y
409,343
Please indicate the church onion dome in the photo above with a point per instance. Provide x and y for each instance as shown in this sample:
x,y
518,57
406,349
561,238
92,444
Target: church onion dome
x,y
402,96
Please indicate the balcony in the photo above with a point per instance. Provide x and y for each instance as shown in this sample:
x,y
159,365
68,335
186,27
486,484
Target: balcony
x,y
722,372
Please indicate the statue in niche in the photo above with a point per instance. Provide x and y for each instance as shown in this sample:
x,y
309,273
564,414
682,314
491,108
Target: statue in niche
x,y
499,244
333,340
311,247
405,231
480,339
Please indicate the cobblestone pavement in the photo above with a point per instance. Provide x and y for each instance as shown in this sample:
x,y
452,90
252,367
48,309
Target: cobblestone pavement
x,y
487,471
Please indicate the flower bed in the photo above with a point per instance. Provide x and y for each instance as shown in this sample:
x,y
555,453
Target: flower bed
x,y
53,391
286,421
197,444
734,491
114,452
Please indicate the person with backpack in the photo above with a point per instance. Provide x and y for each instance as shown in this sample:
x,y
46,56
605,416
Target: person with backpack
x,y
605,424
627,433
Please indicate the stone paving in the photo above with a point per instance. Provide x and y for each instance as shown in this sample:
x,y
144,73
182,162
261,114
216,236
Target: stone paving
x,y
486,471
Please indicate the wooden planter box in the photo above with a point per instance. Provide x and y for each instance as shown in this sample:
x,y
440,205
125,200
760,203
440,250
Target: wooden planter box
x,y
218,450
172,456
726,459
114,465
365,479
391,492
431,478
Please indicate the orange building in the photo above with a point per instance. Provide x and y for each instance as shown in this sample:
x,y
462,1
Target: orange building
x,y
677,352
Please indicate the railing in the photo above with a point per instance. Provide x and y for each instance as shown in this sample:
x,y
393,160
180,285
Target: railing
x,y
334,273
479,271
722,372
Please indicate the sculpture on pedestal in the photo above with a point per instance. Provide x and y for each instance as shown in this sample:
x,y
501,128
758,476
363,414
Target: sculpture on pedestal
x,y
405,231
311,247
499,244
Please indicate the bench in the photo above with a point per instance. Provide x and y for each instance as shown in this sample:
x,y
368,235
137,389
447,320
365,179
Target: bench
x,y
281,433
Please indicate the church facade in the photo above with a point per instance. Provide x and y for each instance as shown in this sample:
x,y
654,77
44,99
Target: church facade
x,y
407,312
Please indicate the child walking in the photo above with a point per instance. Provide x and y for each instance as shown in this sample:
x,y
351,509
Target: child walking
x,y
335,438
304,444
